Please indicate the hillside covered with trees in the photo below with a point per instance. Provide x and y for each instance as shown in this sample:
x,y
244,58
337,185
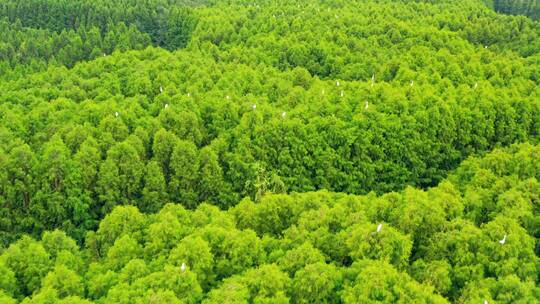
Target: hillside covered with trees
x,y
185,151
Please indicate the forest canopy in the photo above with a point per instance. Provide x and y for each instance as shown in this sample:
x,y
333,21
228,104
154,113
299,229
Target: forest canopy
x,y
212,151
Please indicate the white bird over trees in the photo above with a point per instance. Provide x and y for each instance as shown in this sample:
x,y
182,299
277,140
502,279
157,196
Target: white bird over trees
x,y
283,114
166,105
228,97
412,83
183,267
503,241
486,302
337,83
116,114
475,85
341,93
254,106
367,105
379,228
161,89
188,94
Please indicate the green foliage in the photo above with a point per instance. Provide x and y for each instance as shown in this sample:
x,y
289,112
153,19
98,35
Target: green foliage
x,y
377,282
179,151
148,127
529,8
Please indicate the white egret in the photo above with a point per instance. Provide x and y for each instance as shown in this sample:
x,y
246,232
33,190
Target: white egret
x,y
379,228
254,106
475,85
183,267
367,105
337,83
503,241
283,114
341,93
166,105
161,89
116,114
412,83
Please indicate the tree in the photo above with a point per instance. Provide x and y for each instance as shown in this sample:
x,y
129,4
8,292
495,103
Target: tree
x,y
364,242
30,263
376,282
316,283
184,166
162,149
211,185
195,252
154,191
65,281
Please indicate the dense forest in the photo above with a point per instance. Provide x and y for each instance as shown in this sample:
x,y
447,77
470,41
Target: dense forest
x,y
529,8
232,151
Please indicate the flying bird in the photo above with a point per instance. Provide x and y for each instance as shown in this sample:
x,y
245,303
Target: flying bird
x,y
379,228
503,241
341,94
283,114
337,83
183,267
161,89
228,97
188,94
367,105
412,83
254,106
166,105
116,114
